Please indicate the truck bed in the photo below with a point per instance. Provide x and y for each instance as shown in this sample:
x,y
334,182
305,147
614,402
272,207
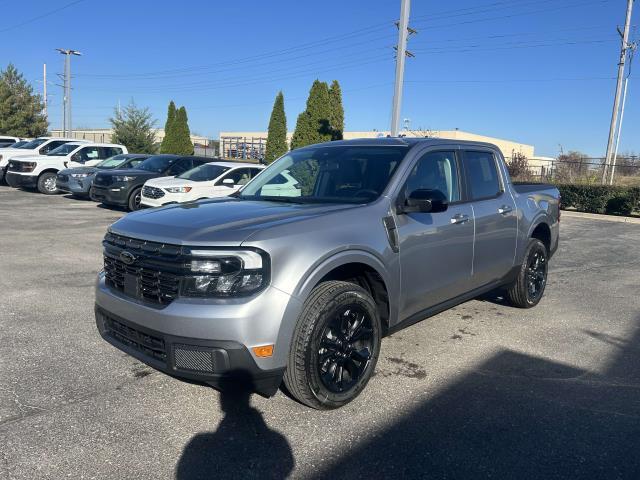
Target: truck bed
x,y
527,187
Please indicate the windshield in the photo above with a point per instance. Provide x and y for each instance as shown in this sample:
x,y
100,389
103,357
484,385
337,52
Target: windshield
x,y
157,164
33,144
203,173
326,174
19,144
63,150
112,162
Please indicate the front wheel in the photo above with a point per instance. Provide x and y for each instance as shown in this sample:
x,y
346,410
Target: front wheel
x,y
528,288
134,200
335,346
47,183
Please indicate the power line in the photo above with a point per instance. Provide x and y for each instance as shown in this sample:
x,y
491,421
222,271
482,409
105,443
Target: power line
x,y
38,17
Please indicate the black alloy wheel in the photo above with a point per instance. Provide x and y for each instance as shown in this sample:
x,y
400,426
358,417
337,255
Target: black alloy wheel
x,y
346,348
335,346
528,287
536,274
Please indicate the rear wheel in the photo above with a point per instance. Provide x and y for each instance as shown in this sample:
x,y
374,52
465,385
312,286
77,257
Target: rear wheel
x,y
47,183
335,346
135,199
528,288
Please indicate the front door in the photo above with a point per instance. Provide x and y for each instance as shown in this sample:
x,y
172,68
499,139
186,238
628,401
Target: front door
x,y
435,249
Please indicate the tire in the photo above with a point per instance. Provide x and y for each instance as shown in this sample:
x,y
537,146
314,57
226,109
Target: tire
x,y
327,368
528,288
134,200
47,183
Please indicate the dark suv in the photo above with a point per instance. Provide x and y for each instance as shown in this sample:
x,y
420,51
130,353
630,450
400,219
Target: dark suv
x,y
123,187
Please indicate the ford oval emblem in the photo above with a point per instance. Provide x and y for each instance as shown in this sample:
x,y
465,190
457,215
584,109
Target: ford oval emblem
x,y
127,257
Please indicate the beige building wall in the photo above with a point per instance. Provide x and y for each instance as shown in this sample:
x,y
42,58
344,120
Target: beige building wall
x,y
103,135
507,147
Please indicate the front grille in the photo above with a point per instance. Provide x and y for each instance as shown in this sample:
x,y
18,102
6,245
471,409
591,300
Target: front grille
x,y
153,275
20,166
104,179
149,345
63,178
152,192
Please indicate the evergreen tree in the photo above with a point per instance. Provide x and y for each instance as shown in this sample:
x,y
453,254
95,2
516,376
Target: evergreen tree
x,y
313,124
182,135
336,117
133,127
277,134
21,111
165,147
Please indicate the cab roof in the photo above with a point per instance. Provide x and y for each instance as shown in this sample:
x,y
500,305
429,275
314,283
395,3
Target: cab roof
x,y
402,142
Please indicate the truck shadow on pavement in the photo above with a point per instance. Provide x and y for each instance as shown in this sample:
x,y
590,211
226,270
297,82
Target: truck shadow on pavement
x,y
243,446
515,416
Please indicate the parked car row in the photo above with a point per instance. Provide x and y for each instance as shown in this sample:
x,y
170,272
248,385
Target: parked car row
x,y
109,174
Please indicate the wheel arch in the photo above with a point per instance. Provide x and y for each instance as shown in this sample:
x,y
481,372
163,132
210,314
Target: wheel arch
x,y
362,268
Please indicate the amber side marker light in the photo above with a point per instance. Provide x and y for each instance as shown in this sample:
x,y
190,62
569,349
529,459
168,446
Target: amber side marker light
x,y
263,351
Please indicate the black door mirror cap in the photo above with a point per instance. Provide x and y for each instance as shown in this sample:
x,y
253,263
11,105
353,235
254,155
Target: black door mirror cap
x,y
425,200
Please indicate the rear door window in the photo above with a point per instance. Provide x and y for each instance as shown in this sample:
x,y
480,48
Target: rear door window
x,y
482,175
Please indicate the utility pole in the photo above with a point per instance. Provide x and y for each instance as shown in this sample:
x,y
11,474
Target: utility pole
x,y
403,33
67,126
44,88
616,100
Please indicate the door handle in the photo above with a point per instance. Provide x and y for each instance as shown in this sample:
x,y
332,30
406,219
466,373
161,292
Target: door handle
x,y
504,209
459,218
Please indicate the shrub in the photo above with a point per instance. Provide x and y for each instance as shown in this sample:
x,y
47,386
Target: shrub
x,y
612,200
518,167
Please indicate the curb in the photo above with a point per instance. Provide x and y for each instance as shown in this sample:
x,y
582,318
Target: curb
x,y
595,216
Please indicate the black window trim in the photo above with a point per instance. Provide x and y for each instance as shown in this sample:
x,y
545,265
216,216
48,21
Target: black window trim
x,y
467,184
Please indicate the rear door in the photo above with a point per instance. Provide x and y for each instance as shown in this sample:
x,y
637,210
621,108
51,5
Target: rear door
x,y
436,249
496,220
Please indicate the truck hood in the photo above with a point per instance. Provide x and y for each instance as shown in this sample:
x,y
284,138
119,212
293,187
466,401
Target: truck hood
x,y
227,221
8,153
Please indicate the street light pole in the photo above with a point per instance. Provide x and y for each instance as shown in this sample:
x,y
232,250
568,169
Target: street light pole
x,y
67,125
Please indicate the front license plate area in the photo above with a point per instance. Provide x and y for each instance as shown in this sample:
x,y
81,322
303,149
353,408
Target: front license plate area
x,y
131,286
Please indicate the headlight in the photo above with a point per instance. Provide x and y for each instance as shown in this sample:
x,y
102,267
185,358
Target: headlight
x,y
178,189
123,178
80,175
226,273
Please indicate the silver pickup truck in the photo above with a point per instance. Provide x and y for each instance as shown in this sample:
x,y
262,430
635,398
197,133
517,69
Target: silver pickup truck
x,y
299,282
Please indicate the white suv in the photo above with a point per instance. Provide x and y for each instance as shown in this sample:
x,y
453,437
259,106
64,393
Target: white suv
x,y
40,171
38,146
211,180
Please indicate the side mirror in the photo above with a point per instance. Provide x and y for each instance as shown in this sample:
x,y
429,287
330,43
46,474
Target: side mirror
x,y
425,201
228,182
76,157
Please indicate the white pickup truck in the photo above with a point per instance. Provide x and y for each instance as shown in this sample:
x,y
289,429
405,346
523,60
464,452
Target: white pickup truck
x,y
38,146
40,171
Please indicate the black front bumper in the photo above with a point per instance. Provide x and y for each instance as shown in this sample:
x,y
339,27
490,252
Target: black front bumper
x,y
108,196
16,180
220,364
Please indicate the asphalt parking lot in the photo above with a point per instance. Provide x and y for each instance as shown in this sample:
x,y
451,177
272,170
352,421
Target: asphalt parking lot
x,y
483,390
